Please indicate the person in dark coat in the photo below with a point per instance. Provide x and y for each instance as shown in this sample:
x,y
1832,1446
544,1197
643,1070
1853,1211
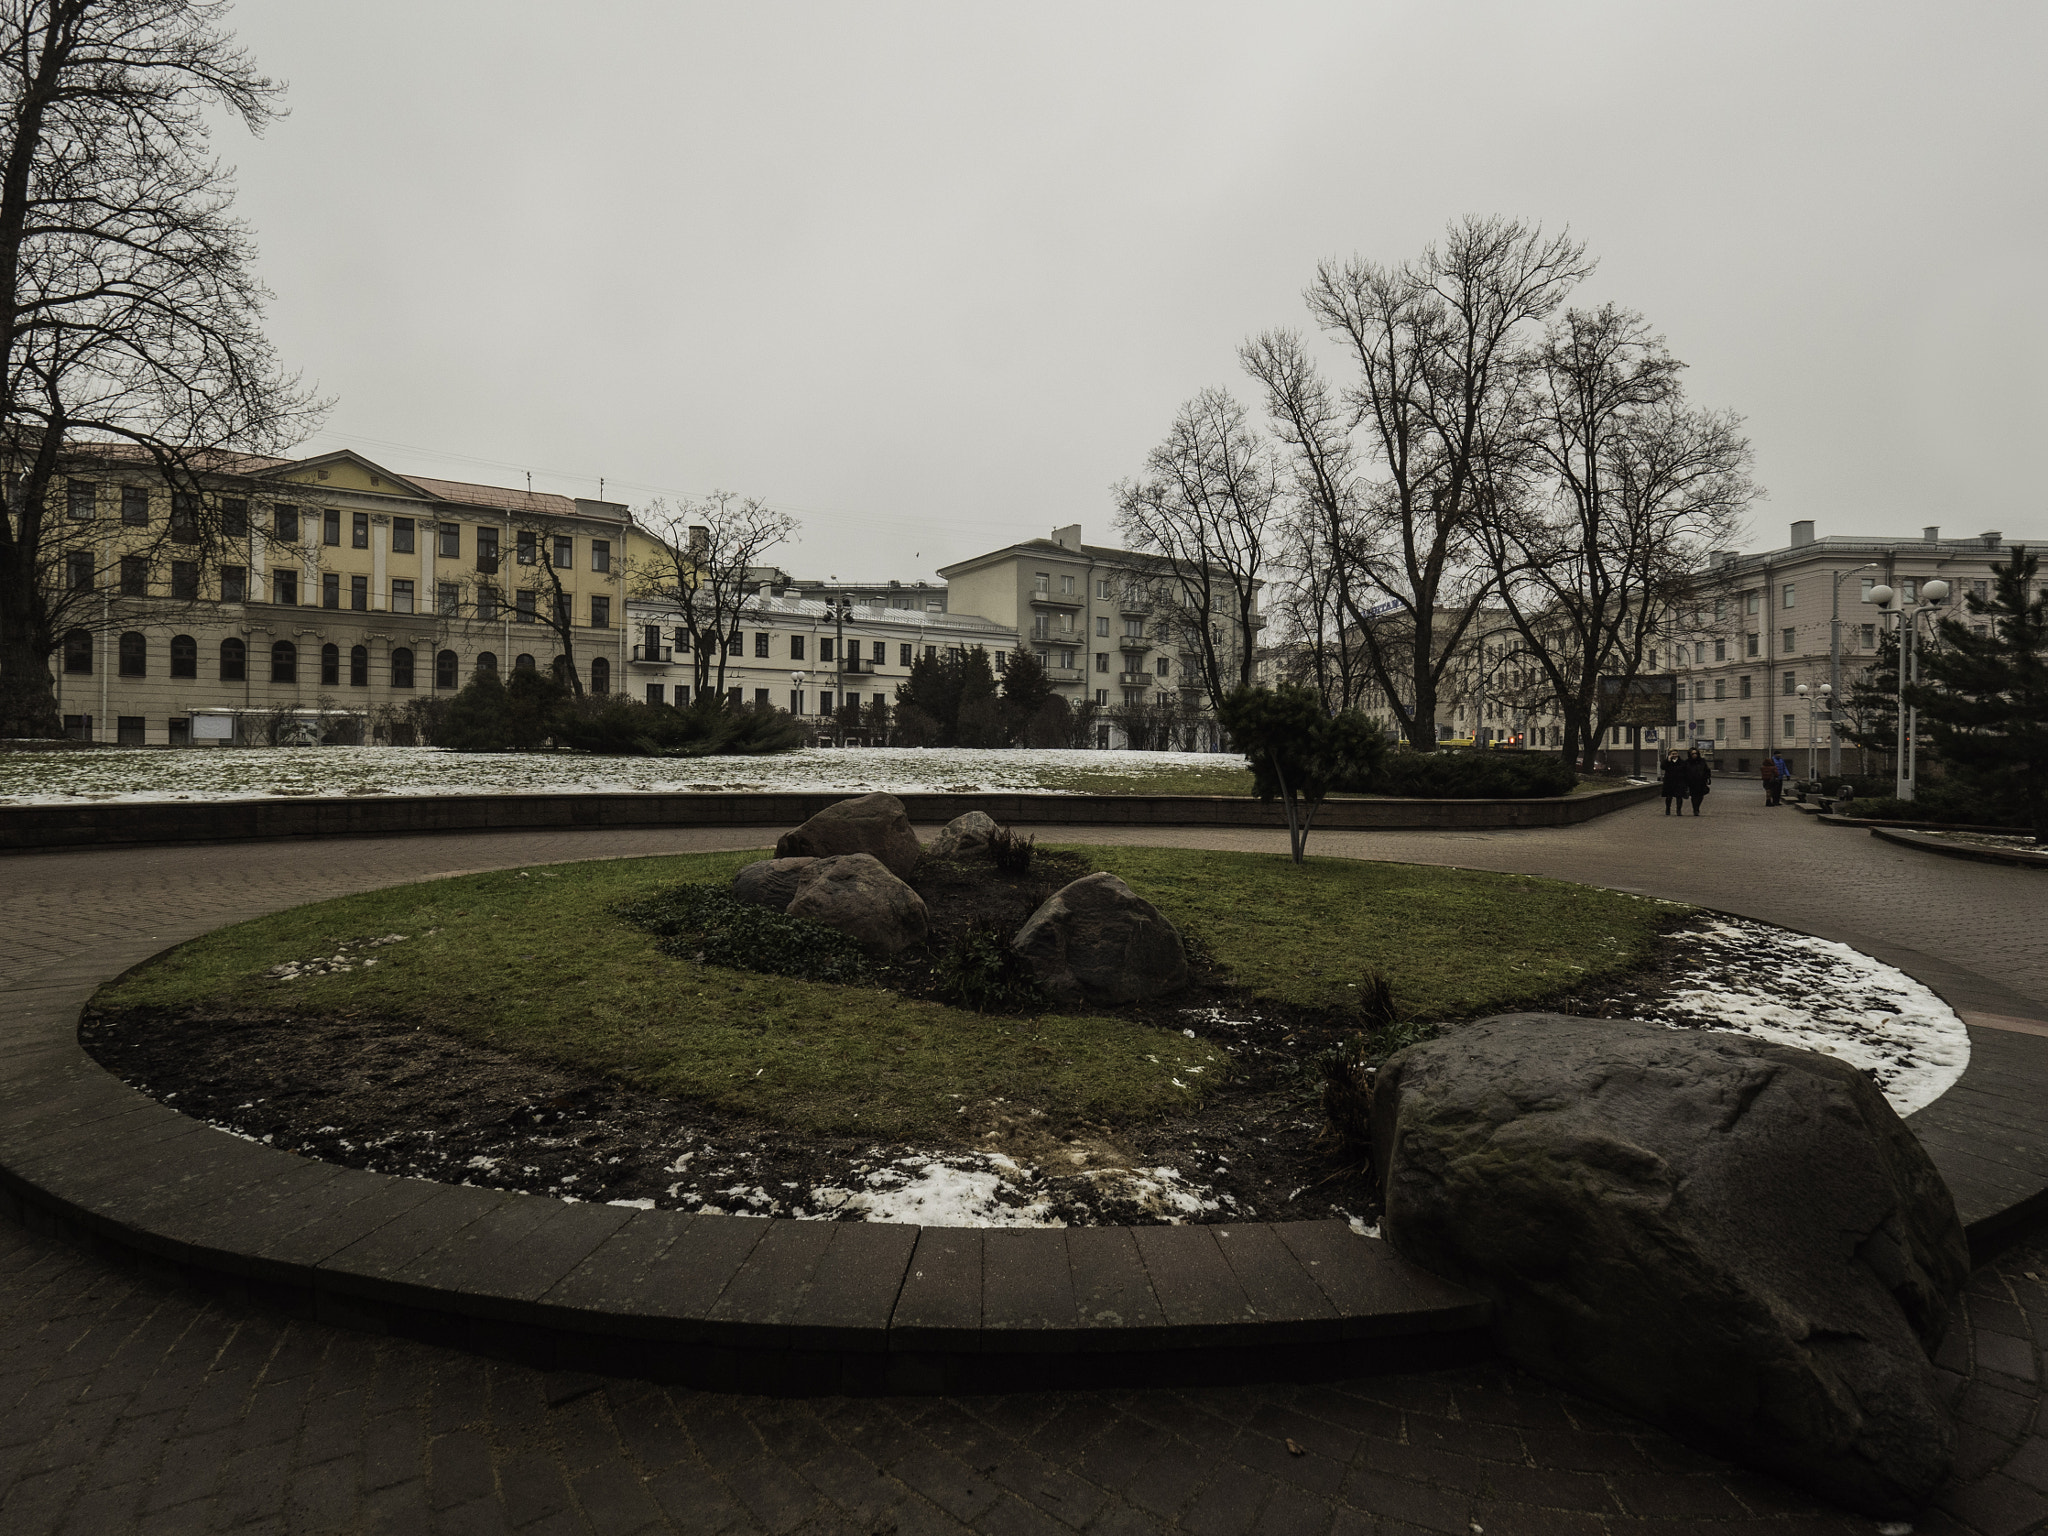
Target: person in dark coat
x,y
1674,784
1699,774
1772,782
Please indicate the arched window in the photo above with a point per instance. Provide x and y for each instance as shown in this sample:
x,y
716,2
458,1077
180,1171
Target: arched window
x,y
522,663
234,661
359,666
284,662
446,664
560,667
487,661
330,666
184,656
134,655
600,675
78,650
401,668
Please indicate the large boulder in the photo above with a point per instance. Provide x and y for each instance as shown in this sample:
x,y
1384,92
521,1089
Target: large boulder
x,y
770,883
964,834
856,894
1098,941
1738,1240
871,824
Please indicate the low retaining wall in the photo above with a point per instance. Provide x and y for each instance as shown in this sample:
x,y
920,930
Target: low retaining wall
x,y
227,821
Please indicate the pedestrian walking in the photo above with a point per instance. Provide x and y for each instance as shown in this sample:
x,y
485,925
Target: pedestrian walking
x,y
1772,782
1699,776
1674,784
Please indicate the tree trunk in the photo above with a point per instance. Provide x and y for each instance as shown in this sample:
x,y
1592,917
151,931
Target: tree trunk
x,y
28,693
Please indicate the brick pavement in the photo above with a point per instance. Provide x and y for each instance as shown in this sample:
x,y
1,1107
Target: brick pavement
x,y
131,1405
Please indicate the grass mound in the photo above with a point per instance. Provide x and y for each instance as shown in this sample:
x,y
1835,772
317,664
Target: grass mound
x,y
540,962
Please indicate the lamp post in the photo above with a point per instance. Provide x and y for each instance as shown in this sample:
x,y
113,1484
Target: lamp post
x,y
1826,696
1907,616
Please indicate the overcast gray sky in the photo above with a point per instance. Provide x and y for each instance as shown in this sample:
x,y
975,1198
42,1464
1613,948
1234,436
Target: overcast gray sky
x,y
933,276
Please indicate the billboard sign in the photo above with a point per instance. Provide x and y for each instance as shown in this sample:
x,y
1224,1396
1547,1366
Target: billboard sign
x,y
1643,700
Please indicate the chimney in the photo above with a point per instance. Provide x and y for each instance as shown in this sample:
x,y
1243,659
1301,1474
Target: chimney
x,y
1993,539
1802,533
700,538
1725,557
1068,537
1931,535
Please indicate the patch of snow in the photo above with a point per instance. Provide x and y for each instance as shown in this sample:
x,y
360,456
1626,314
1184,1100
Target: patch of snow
x,y
946,1190
1159,1190
633,1205
1792,988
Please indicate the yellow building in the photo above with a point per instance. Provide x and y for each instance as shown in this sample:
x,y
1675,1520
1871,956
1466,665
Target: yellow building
x,y
328,586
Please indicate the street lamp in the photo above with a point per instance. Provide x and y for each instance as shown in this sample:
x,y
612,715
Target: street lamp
x,y
797,681
1907,616
1826,696
1835,665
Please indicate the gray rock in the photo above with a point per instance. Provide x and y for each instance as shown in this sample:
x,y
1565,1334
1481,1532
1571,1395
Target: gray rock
x,y
871,824
856,894
963,834
1099,941
770,883
1738,1240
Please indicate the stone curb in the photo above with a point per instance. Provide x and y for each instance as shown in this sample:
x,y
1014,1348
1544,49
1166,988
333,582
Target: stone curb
x,y
2013,856
28,827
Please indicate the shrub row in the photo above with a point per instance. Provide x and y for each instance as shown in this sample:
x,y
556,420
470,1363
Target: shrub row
x,y
1474,774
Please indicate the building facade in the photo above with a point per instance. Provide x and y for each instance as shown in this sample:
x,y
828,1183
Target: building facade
x,y
328,588
808,656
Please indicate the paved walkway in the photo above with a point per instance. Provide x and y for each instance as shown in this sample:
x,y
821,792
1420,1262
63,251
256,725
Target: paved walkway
x,y
126,1405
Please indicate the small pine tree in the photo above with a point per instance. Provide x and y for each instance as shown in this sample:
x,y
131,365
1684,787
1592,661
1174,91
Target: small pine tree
x,y
1985,697
1299,752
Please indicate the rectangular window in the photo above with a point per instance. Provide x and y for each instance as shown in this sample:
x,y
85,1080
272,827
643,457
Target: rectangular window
x,y
1788,641
1742,685
487,550
1751,601
330,590
1750,645
796,647
185,580
526,611
1911,588
1102,661
134,576
600,554
903,654
529,546
284,587
130,730
1791,728
1002,661
401,596
1982,589
1162,666
1868,633
1720,687
682,695
824,701
1041,626
564,557
825,652
1102,591
80,498
234,583
330,528
1863,588
1791,592
683,649
284,524
601,613
402,529
931,653
880,657
1789,683
78,572
135,506
78,651
761,697
359,594
565,609
1699,652
1041,583
359,530
1066,586
451,541
1102,697
1102,625
184,517
1134,629
1743,726
1720,607
234,519
1720,650
487,602
760,643
657,693
448,598
1720,727
1067,660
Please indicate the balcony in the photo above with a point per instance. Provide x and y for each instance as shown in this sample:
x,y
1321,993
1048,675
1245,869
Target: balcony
x,y
1134,643
1131,600
653,655
1134,679
1072,600
1066,675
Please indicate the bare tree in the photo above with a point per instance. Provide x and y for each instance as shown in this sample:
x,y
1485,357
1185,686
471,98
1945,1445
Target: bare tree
x,y
708,570
1399,466
1206,505
1622,494
129,312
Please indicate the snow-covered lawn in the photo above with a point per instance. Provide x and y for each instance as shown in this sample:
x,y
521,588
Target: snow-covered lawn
x,y
240,773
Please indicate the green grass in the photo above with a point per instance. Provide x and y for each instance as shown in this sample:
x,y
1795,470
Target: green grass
x,y
535,961
1456,943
